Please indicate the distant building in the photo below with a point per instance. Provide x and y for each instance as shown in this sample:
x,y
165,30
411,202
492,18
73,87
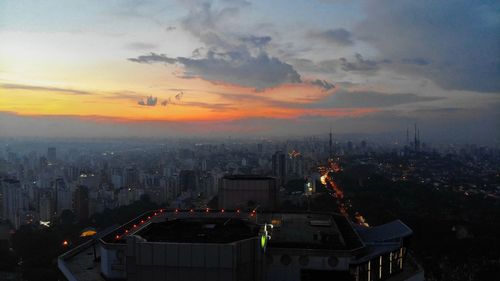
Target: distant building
x,y
45,206
11,195
51,154
188,180
279,166
81,202
241,191
63,196
131,177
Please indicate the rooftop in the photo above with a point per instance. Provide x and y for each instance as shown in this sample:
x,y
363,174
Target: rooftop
x,y
311,231
199,230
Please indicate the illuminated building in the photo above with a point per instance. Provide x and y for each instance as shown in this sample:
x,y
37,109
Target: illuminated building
x,y
235,245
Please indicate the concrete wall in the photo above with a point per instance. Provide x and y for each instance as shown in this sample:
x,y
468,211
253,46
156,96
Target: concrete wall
x,y
113,261
239,261
277,270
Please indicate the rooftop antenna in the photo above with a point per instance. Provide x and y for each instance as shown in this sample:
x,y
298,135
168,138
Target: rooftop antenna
x,y
331,143
415,138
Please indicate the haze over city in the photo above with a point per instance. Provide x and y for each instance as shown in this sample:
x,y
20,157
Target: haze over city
x,y
249,68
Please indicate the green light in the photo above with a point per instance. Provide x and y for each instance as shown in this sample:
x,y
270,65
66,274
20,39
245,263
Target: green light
x,y
263,241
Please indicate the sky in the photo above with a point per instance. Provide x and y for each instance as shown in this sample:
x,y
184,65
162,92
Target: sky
x,y
90,68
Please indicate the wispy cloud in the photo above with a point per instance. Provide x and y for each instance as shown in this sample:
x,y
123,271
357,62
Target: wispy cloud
x,y
44,89
369,99
339,36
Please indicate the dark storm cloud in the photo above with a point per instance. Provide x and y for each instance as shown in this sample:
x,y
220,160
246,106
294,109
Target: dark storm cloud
x,y
241,68
369,99
457,43
339,36
45,89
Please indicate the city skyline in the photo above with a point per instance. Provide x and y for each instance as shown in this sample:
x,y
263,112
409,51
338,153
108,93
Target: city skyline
x,y
238,68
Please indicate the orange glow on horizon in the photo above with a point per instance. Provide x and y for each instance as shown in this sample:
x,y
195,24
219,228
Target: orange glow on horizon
x,y
201,101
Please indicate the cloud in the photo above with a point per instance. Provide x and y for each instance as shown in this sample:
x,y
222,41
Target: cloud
x,y
44,89
322,67
238,68
457,44
329,66
257,41
416,61
153,58
141,46
323,84
175,100
359,64
150,101
369,99
216,107
339,36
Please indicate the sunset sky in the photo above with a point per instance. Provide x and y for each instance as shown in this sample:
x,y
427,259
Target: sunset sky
x,y
262,68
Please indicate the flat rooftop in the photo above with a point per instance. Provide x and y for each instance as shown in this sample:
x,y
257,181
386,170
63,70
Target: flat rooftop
x,y
311,231
306,230
199,230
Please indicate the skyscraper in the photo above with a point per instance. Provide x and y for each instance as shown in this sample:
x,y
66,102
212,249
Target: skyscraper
x,y
51,154
81,202
11,201
279,166
63,196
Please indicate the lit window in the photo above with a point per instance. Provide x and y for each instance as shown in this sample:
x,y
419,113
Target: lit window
x,y
380,267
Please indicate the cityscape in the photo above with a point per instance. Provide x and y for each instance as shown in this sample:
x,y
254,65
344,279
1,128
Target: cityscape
x,y
207,140
53,197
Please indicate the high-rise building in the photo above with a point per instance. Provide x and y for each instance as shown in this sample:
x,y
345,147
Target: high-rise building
x,y
279,166
11,201
45,206
81,202
188,180
51,154
242,191
296,165
63,200
131,177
